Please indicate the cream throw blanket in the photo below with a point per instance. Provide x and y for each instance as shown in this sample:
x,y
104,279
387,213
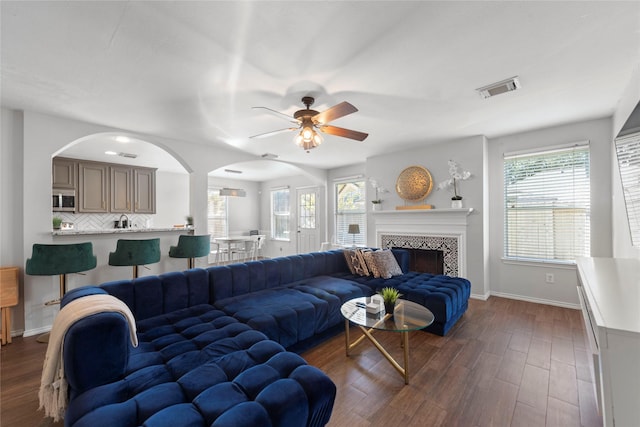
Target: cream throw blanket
x,y
53,384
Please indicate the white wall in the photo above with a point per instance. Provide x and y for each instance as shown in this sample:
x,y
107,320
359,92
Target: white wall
x,y
469,153
527,280
243,212
11,194
29,142
172,199
275,248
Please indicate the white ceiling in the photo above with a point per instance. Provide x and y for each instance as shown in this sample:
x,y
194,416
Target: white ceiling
x,y
193,70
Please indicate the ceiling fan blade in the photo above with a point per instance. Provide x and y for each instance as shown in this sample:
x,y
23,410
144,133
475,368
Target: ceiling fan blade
x,y
278,114
334,112
345,133
275,132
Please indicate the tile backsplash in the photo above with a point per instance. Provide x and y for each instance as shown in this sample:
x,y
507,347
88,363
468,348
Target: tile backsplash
x,y
103,221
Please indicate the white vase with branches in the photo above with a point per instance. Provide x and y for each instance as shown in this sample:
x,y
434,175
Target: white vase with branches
x,y
377,202
456,174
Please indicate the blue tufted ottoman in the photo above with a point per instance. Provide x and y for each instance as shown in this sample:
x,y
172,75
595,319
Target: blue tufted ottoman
x,y
447,297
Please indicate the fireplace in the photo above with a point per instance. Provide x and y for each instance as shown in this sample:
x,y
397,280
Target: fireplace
x,y
426,260
439,231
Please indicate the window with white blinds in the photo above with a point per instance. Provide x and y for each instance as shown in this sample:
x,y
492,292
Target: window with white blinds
x,y
217,224
350,209
628,151
280,213
547,205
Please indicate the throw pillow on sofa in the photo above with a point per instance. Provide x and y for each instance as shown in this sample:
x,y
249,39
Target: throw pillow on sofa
x,y
386,264
348,257
372,265
359,264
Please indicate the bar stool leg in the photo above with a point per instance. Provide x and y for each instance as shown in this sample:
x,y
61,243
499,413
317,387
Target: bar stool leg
x,y
135,271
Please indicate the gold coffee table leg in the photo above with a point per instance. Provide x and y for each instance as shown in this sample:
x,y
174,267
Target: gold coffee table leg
x,y
367,334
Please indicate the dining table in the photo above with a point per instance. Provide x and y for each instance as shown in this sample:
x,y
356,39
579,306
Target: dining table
x,y
231,240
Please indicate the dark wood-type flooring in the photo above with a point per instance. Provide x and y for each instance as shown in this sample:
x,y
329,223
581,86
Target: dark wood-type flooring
x,y
506,363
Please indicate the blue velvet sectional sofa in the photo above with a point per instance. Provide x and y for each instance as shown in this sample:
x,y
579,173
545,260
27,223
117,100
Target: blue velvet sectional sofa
x,y
213,343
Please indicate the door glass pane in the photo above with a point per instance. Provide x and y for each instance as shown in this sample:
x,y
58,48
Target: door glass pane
x,y
307,211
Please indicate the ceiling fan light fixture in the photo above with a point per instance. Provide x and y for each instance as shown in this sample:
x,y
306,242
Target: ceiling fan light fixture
x,y
308,138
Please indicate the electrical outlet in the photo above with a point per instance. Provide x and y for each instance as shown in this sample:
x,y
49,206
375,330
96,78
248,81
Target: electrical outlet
x,y
550,278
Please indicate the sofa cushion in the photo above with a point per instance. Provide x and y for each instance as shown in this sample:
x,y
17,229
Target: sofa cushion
x,y
296,312
385,264
198,366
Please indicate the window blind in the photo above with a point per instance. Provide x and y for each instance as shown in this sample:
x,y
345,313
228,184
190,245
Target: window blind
x,y
280,212
217,224
628,151
547,205
350,209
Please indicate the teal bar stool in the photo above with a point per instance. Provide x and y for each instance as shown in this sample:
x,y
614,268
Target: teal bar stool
x,y
191,247
135,253
51,260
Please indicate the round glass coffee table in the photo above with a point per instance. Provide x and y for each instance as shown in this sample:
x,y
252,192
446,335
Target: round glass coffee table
x,y
407,316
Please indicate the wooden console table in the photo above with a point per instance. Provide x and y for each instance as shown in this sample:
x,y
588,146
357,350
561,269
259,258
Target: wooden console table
x,y
8,298
609,292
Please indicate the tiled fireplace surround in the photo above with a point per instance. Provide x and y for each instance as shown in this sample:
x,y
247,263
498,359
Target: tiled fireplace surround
x,y
436,229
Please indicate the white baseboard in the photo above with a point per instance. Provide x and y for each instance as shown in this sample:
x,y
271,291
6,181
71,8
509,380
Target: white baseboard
x,y
36,331
17,333
481,296
536,300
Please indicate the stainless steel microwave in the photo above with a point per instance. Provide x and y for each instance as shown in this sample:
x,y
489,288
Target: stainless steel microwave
x,y
64,200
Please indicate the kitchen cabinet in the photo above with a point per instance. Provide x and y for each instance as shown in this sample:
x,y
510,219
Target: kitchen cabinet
x,y
144,190
107,187
93,187
121,189
609,293
63,173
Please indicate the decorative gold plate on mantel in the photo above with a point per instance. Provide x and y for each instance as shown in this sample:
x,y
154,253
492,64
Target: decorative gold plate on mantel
x,y
414,184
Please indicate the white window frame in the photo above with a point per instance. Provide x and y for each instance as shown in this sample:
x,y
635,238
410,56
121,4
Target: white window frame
x,y
358,215
211,216
547,210
283,214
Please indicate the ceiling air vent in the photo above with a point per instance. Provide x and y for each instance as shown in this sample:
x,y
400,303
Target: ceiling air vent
x,y
503,86
128,155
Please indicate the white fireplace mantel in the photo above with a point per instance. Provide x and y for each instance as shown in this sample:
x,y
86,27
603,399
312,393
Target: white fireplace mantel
x,y
424,216
441,229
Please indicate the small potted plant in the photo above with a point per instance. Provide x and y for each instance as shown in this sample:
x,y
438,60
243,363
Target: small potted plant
x,y
389,296
56,221
189,221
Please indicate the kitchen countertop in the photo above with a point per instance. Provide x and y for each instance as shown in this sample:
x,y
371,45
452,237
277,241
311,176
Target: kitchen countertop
x,y
74,232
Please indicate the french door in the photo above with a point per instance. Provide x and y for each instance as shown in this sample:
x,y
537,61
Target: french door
x,y
307,218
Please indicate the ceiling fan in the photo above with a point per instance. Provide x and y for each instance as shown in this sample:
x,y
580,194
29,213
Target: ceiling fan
x,y
310,121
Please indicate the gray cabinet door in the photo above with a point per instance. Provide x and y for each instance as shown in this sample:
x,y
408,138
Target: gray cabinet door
x,y
144,184
63,173
93,187
121,189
